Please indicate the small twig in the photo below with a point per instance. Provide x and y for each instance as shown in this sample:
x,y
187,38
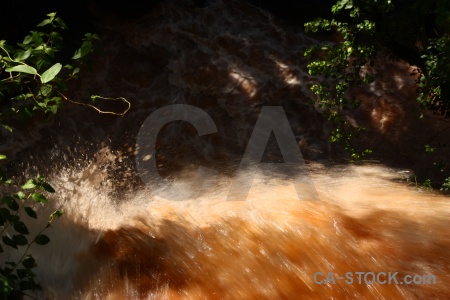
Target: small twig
x,y
31,92
96,108
7,53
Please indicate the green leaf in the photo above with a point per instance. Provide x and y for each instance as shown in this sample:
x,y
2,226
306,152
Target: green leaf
x,y
56,39
21,273
29,262
45,90
7,127
7,285
51,15
9,242
22,69
22,97
43,23
37,37
20,227
31,184
22,55
47,187
51,73
75,71
28,39
13,205
5,214
2,156
30,212
61,23
39,198
20,240
26,113
20,195
92,36
50,52
85,48
42,63
53,109
57,213
6,200
42,239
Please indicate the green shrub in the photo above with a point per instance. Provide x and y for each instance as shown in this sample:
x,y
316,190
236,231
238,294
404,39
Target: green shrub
x,y
17,276
418,31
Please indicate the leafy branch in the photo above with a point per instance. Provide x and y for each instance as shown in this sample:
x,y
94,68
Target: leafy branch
x,y
32,76
343,66
365,28
18,276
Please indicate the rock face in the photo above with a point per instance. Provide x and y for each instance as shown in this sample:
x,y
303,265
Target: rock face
x,y
229,59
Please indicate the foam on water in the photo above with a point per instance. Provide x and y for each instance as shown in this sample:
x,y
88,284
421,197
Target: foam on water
x,y
268,246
